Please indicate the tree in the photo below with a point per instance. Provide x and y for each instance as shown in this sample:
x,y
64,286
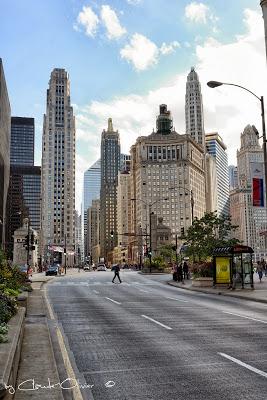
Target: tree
x,y
207,233
168,251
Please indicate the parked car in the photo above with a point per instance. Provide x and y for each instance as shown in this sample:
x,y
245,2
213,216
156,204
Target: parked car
x,y
86,267
24,268
101,267
53,270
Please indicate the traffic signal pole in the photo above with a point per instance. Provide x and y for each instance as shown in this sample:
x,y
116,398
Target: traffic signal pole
x,y
28,247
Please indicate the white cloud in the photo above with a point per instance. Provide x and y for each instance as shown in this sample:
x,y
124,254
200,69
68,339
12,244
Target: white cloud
x,y
201,13
134,2
141,51
89,20
169,48
197,12
112,23
227,109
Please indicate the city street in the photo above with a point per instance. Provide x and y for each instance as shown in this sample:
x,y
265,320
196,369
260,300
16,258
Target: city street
x,y
144,339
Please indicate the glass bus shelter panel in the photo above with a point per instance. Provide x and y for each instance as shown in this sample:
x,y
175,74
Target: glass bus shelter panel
x,y
247,268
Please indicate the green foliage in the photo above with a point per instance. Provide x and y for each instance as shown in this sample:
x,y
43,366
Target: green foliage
x,y
3,332
157,263
8,308
203,270
11,281
168,252
207,233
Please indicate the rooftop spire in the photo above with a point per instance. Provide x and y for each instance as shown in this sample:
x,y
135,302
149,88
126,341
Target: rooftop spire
x,y
110,125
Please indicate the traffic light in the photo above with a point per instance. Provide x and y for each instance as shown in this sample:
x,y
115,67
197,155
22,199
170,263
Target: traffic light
x,y
174,248
27,242
182,231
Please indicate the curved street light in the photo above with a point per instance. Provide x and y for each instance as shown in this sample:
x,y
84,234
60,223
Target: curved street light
x,y
214,84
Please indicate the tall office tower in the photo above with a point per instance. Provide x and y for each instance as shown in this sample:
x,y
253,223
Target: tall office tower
x,y
216,148
22,141
91,191
233,177
194,118
24,192
125,162
110,164
165,168
248,208
78,236
211,183
23,200
58,165
123,208
4,151
93,230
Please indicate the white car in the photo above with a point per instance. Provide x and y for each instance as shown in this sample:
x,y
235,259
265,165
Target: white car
x,y
101,267
86,267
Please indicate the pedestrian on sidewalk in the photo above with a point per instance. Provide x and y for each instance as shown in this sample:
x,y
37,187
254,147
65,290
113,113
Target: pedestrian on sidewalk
x,y
260,270
180,273
116,270
185,270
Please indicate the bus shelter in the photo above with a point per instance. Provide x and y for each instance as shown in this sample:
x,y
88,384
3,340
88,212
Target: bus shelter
x,y
233,266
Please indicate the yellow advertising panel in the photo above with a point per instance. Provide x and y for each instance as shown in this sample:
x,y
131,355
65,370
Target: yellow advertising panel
x,y
223,270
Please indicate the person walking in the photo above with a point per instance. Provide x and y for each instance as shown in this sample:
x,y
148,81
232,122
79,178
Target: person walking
x,y
260,270
116,273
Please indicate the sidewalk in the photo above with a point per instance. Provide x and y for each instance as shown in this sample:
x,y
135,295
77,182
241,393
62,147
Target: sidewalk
x,y
37,360
259,293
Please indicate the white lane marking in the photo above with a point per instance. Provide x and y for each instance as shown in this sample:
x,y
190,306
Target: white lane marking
x,y
243,316
95,291
114,301
253,369
172,298
157,322
144,291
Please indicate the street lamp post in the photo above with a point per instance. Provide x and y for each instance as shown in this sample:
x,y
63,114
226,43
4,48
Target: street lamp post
x,y
214,84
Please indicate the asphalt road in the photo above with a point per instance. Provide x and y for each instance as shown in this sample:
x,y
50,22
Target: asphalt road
x,y
150,340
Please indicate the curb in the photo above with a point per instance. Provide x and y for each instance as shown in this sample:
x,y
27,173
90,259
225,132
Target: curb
x,y
257,300
10,353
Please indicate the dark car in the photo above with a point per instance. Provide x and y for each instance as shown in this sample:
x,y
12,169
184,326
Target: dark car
x,y
52,270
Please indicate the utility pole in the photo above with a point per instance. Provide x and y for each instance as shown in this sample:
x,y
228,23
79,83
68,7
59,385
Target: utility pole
x,y
150,239
28,247
65,253
192,207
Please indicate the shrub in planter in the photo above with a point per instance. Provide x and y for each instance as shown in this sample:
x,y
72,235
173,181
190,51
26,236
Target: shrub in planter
x,y
8,308
3,332
202,270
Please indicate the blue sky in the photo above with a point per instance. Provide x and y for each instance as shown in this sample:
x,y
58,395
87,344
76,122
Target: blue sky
x,y
125,57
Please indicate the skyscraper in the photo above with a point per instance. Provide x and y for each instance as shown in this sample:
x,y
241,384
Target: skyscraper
x,y
194,119
248,208
22,141
58,164
165,169
24,200
216,148
110,164
233,177
91,191
4,151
